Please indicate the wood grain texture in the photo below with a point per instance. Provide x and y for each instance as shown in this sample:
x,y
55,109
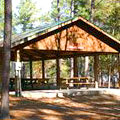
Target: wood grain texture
x,y
72,39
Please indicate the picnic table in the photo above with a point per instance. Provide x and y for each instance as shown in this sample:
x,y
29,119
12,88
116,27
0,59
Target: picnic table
x,y
77,82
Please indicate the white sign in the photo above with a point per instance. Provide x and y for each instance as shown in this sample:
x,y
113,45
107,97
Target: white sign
x,y
18,66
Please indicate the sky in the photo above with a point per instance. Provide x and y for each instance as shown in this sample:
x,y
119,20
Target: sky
x,y
45,5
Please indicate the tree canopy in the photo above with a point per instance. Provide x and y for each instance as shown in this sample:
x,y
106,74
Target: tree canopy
x,y
106,14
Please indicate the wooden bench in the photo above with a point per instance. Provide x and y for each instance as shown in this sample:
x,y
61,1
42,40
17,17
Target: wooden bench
x,y
29,83
40,82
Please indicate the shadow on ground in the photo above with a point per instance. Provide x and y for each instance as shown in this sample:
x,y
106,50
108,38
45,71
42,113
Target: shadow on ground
x,y
85,107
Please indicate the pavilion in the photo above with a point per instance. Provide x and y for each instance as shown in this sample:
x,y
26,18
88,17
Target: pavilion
x,y
72,38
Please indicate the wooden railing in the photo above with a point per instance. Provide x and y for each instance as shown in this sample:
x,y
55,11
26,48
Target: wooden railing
x,y
25,82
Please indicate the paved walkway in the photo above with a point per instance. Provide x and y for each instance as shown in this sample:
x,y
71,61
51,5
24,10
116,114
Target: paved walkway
x,y
71,92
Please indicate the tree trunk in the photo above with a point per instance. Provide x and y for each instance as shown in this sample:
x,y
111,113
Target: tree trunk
x,y
92,10
6,60
31,72
43,69
100,79
58,10
86,66
96,70
109,77
71,68
75,66
72,9
58,72
119,69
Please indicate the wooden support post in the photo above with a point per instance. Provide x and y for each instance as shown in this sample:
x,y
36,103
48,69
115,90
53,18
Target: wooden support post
x,y
75,67
1,69
31,73
43,69
96,70
71,67
58,72
31,76
119,69
18,89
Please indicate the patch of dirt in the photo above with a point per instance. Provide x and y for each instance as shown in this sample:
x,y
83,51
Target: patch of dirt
x,y
86,107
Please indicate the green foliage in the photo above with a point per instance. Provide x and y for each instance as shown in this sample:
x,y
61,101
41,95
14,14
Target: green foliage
x,y
107,16
62,10
1,17
50,66
80,8
108,63
70,8
45,18
26,15
65,68
37,69
27,70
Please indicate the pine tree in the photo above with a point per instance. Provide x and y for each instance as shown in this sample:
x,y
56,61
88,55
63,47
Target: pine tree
x,y
26,16
6,60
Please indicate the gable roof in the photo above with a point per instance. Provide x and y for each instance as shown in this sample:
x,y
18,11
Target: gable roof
x,y
41,33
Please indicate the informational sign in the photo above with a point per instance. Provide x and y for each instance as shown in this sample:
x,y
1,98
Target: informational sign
x,y
18,66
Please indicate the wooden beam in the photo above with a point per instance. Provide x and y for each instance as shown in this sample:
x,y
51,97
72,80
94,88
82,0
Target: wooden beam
x,y
119,69
33,53
18,89
36,53
96,69
58,72
28,55
75,66
31,72
43,69
18,56
53,54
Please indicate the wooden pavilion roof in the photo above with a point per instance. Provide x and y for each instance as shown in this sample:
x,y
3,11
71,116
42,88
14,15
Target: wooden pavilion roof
x,y
74,37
